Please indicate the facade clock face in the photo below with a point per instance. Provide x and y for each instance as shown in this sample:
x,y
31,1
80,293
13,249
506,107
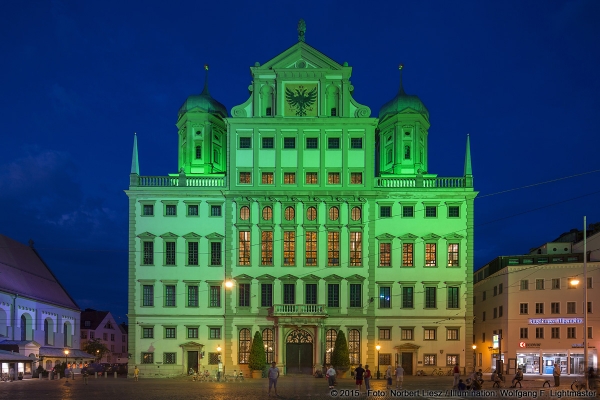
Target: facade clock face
x,y
301,100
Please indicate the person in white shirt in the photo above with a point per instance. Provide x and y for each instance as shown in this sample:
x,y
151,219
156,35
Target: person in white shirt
x,y
331,377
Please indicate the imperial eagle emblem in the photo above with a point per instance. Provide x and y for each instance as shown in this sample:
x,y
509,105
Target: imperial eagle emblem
x,y
299,100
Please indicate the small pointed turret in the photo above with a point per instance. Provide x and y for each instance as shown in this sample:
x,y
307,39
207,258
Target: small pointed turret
x,y
468,169
135,165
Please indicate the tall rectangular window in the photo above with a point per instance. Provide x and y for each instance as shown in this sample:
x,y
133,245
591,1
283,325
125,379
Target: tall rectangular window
x,y
169,253
408,211
267,143
430,254
430,297
524,284
408,295
571,307
333,295
524,308
539,284
192,209
148,209
333,143
555,308
266,294
266,248
244,177
148,253
311,248
215,211
215,253
539,308
289,293
355,249
170,296
453,211
192,296
198,152
333,248
147,333
289,248
356,143
310,293
430,211
571,332
333,178
311,178
385,297
555,332
289,178
355,295
385,254
170,333
453,255
385,211
524,333
267,178
244,295
192,253
171,210
215,296
148,296
289,143
556,283
407,254
244,247
356,178
453,297
539,333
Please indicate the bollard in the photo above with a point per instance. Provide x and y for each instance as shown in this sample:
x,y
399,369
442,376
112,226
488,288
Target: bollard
x,y
96,375
40,377
115,374
106,375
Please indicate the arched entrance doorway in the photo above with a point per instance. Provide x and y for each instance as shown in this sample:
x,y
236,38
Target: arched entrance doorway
x,y
299,352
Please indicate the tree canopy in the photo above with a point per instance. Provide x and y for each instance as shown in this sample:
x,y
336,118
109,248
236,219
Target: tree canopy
x,y
95,347
340,357
258,358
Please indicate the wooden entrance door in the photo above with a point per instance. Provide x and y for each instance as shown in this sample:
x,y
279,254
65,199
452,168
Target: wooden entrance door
x,y
299,352
192,357
407,363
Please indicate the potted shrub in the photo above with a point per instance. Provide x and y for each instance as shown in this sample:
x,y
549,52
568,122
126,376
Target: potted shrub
x,y
258,358
340,357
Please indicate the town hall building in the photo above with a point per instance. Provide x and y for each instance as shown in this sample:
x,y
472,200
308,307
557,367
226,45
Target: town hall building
x,y
298,214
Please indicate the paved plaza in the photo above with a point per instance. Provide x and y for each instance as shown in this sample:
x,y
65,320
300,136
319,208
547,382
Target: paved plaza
x,y
289,387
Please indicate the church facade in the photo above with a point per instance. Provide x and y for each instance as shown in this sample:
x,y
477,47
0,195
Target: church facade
x,y
300,215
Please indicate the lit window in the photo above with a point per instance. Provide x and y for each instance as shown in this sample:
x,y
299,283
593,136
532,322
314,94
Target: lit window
x,y
245,213
452,334
407,334
334,213
244,346
267,178
429,334
267,213
430,254
266,248
333,178
311,248
355,249
289,178
453,255
356,178
311,213
333,248
289,248
407,254
385,257
244,177
311,178
289,213
385,297
244,247
355,213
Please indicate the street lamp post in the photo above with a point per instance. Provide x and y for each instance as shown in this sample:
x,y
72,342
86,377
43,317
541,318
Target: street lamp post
x,y
66,354
575,282
378,347
220,365
474,357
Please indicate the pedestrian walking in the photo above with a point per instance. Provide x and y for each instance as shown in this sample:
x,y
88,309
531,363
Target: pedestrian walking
x,y
273,376
456,372
84,373
367,378
11,374
399,376
556,375
136,373
388,377
331,377
592,378
359,374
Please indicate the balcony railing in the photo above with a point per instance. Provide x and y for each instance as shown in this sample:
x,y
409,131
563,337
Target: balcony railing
x,y
298,309
420,182
178,181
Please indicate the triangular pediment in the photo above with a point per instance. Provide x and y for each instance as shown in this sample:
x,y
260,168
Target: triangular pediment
x,y
191,344
288,277
355,277
266,277
407,346
333,277
408,236
169,235
386,236
454,236
215,236
146,235
431,236
243,277
192,235
301,55
310,278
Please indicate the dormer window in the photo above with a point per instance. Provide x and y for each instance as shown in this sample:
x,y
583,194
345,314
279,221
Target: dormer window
x,y
334,112
87,323
268,112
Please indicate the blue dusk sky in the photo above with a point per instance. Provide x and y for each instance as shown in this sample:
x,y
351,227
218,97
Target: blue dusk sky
x,y
78,78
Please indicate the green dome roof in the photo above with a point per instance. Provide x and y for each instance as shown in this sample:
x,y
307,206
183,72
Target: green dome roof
x,y
401,102
203,102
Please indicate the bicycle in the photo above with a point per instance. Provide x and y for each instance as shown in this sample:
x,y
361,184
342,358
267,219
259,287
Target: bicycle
x,y
437,371
577,385
449,372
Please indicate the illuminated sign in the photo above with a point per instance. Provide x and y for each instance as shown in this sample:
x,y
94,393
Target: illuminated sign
x,y
496,341
555,321
521,344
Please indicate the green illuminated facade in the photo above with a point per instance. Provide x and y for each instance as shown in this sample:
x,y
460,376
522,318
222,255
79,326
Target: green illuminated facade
x,y
320,216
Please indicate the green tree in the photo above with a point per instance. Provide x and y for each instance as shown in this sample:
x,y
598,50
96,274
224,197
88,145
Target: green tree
x,y
340,357
96,348
258,358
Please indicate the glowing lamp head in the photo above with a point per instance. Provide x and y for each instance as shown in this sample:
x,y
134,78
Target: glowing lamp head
x,y
228,284
219,349
378,347
574,282
66,352
474,347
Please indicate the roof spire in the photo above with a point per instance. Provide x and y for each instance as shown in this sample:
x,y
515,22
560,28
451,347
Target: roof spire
x,y
301,30
205,90
135,165
468,169
401,88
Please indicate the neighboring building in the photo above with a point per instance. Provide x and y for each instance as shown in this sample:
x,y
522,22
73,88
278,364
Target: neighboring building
x,y
531,303
299,216
102,325
38,318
